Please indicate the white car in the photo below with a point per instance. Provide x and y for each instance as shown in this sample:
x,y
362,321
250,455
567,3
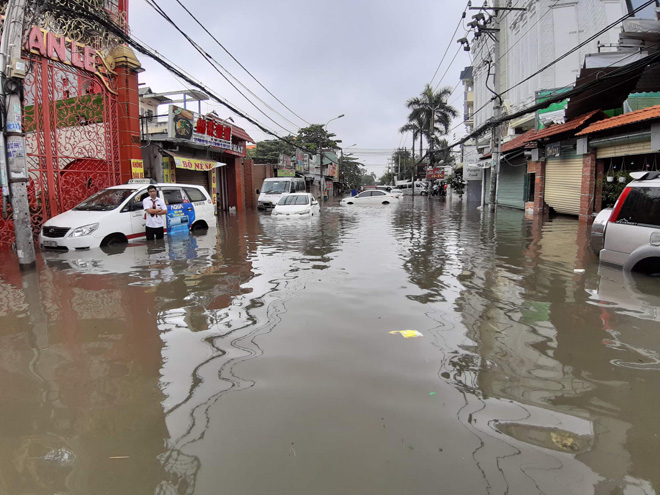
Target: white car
x,y
115,215
371,197
297,205
629,234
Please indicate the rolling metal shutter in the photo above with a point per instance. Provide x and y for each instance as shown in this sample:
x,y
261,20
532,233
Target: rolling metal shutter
x,y
184,176
511,190
563,185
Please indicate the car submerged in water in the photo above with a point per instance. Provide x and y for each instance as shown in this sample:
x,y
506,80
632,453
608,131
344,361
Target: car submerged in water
x,y
297,205
628,235
370,198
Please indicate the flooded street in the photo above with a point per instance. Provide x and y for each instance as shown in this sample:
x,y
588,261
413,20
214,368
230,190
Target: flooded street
x,y
261,358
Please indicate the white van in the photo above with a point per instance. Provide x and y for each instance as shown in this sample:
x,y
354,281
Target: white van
x,y
115,215
274,188
406,188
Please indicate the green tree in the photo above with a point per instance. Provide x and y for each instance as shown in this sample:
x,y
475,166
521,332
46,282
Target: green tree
x,y
431,111
269,150
310,137
353,172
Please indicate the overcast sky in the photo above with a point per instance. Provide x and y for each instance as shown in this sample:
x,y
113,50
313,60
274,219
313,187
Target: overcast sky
x,y
362,58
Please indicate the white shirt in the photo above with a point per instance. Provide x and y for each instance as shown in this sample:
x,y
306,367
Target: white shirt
x,y
154,221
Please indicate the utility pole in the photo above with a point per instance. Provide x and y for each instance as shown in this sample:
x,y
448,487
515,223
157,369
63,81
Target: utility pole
x,y
496,138
10,53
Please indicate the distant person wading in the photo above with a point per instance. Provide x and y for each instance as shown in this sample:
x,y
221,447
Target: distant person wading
x,y
154,210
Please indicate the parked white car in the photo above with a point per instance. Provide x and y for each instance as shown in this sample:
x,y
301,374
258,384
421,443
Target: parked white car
x,y
297,205
115,215
370,198
629,234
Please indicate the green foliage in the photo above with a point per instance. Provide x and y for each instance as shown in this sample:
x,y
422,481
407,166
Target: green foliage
x,y
612,190
307,138
456,182
354,174
270,149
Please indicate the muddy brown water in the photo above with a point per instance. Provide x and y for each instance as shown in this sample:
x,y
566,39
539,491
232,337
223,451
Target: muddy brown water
x,y
260,359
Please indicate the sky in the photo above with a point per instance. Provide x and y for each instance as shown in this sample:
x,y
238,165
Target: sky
x,y
360,58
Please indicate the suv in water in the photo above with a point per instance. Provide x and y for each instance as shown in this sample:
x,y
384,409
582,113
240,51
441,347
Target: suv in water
x,y
628,235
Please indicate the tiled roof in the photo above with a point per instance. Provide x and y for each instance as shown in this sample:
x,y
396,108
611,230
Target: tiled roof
x,y
241,134
621,120
518,141
571,125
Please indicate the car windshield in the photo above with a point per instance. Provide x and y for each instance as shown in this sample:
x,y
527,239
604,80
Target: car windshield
x,y
276,187
105,200
294,200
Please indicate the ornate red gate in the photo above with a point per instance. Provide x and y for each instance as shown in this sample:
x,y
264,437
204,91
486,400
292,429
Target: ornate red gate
x,y
71,135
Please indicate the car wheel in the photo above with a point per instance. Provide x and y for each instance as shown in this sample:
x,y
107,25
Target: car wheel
x,y
199,227
386,202
114,240
349,203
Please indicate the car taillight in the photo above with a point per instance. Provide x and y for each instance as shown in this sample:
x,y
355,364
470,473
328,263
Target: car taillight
x,y
619,204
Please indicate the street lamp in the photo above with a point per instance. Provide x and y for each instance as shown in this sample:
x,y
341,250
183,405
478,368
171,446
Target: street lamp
x,y
322,178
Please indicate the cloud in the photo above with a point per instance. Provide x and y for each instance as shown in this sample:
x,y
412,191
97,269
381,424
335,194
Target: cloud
x,y
362,58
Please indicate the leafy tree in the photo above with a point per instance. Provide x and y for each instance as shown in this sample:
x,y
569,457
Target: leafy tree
x,y
369,179
269,150
310,137
431,112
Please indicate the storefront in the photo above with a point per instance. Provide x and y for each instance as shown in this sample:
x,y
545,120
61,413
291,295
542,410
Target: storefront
x,y
513,181
563,183
203,150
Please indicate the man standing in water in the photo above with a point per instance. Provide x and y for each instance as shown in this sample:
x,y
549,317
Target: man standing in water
x,y
154,210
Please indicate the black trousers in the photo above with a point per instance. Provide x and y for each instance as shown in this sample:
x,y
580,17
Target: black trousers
x,y
155,233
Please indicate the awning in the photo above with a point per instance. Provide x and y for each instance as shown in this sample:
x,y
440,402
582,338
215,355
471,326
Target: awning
x,y
182,160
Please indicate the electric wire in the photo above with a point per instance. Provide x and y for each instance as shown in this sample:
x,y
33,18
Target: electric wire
x,y
451,39
75,10
236,60
215,65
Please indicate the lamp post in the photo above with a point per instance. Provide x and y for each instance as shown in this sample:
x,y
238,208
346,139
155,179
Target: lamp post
x,y
322,178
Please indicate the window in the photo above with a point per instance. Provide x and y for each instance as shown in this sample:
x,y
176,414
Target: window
x,y
173,196
294,200
377,193
364,194
136,204
275,187
194,194
642,207
105,200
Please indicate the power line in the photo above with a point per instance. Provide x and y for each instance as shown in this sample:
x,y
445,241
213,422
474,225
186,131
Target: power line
x,y
236,60
215,65
76,10
561,57
451,39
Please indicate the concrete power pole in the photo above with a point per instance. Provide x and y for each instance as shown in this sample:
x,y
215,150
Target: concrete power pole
x,y
496,137
10,50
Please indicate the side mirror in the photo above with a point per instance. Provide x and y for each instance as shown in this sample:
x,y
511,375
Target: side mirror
x,y
258,191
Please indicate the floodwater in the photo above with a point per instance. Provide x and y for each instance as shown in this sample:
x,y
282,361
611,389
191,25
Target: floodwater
x,y
260,360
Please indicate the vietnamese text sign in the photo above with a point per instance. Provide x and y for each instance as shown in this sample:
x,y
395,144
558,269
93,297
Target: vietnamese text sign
x,y
137,169
200,129
194,164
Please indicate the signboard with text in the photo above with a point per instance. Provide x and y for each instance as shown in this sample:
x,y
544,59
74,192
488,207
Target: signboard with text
x,y
137,169
435,173
205,130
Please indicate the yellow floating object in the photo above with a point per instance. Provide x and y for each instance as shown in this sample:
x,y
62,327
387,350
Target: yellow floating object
x,y
408,334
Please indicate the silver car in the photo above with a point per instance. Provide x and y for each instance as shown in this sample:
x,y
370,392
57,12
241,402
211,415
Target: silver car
x,y
628,235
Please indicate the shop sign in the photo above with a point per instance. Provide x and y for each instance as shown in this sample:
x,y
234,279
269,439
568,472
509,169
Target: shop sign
x,y
214,190
333,170
300,161
69,52
137,169
306,162
284,172
553,149
435,173
473,173
204,130
194,164
168,170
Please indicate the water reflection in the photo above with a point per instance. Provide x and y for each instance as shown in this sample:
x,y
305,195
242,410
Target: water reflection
x,y
124,369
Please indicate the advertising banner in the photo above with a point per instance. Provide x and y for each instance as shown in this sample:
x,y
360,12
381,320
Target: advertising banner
x,y
214,190
435,173
199,129
195,164
300,161
285,172
473,172
137,169
306,162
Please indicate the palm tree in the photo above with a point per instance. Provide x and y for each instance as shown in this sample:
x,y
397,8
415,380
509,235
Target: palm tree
x,y
431,106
